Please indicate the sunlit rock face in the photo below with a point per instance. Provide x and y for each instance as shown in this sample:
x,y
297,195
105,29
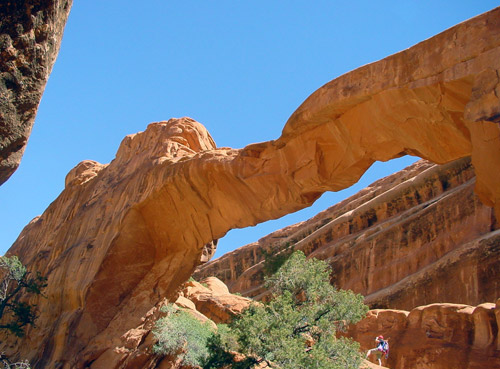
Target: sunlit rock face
x,y
437,336
212,298
104,247
123,236
30,36
416,237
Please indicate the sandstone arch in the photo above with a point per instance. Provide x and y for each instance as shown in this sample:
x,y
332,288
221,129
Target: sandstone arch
x,y
169,191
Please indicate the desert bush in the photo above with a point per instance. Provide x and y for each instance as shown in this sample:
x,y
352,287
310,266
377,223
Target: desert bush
x,y
274,261
15,314
180,333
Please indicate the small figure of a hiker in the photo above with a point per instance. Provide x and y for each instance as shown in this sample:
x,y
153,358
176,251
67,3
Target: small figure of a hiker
x,y
381,349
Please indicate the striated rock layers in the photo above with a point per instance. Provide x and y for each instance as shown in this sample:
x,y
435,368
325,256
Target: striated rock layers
x,y
416,237
122,236
30,36
437,336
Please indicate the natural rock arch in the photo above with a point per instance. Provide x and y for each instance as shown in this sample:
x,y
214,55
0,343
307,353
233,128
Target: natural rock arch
x,y
169,191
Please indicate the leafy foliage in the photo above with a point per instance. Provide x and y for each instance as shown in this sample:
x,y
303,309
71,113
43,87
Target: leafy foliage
x,y
16,279
180,333
15,314
274,261
219,346
296,329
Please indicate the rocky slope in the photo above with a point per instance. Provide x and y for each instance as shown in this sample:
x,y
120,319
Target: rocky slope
x,y
209,301
437,336
123,236
30,36
416,237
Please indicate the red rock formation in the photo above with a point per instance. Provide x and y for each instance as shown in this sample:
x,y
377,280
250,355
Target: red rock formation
x,y
212,298
129,233
369,365
437,336
416,237
30,36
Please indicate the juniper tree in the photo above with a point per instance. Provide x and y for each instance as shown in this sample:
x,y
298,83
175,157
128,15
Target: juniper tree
x,y
181,334
297,327
15,314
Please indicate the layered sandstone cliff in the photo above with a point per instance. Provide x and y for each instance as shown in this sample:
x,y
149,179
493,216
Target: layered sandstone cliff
x,y
416,237
123,236
30,36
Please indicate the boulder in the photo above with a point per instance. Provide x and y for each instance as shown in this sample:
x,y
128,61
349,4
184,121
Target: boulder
x,y
214,300
134,349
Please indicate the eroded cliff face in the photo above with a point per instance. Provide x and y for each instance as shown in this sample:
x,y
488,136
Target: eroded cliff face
x,y
416,237
123,236
437,336
30,36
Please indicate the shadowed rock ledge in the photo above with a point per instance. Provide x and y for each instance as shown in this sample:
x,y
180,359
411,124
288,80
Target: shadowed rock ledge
x,y
30,36
122,236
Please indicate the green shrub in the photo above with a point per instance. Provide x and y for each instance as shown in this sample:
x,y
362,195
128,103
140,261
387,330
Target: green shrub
x,y
16,315
181,334
219,346
274,261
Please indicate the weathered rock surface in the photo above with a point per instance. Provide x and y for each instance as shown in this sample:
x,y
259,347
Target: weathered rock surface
x,y
212,298
366,364
30,36
416,237
130,233
437,336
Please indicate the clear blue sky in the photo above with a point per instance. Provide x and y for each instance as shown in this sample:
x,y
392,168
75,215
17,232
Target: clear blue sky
x,y
239,67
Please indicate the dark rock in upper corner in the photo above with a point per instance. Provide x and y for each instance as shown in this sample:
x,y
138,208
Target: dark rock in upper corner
x,y
30,36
